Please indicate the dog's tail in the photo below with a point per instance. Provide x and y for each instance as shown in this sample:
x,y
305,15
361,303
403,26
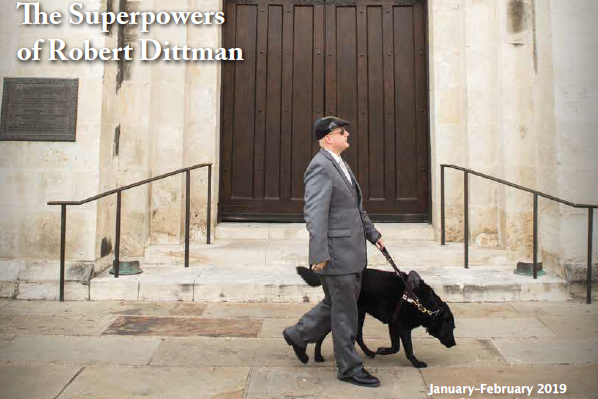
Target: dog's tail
x,y
311,278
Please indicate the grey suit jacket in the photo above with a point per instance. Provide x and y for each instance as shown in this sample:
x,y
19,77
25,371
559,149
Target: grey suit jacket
x,y
337,223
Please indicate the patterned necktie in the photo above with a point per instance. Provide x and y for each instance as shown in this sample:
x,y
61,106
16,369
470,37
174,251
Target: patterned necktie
x,y
345,171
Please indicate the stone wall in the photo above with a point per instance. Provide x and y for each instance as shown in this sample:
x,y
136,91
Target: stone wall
x,y
513,95
33,173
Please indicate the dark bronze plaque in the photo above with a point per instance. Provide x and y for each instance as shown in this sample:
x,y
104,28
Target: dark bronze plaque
x,y
39,109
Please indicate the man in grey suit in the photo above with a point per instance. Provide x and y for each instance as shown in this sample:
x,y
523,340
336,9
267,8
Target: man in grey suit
x,y
338,227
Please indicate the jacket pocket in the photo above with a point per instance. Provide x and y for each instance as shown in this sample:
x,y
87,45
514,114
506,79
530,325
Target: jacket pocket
x,y
339,233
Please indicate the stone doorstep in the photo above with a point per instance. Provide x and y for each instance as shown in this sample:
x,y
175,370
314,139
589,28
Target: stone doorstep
x,y
294,252
280,231
282,284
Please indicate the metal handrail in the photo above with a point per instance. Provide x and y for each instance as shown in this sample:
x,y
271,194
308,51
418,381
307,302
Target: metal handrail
x,y
118,191
536,194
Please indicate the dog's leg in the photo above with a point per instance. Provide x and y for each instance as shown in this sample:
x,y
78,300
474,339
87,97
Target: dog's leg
x,y
359,338
318,351
393,332
406,338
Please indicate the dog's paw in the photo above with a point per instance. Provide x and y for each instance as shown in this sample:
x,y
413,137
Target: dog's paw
x,y
420,365
369,354
386,351
319,358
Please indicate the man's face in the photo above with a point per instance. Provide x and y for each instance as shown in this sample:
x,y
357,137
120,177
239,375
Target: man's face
x,y
339,139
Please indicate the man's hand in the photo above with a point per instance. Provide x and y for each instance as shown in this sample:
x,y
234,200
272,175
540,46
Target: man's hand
x,y
318,266
380,244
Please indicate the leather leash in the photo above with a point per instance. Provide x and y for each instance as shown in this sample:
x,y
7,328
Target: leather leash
x,y
408,294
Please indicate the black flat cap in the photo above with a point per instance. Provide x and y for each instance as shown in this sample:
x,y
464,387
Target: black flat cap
x,y
326,124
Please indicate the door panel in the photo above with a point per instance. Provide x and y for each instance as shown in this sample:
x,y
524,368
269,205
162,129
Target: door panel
x,y
361,60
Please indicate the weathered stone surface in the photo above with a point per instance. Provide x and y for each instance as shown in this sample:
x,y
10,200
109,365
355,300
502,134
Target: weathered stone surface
x,y
268,352
188,309
157,383
302,382
106,287
184,327
168,283
40,381
558,352
81,350
53,325
253,310
50,290
580,326
580,381
490,328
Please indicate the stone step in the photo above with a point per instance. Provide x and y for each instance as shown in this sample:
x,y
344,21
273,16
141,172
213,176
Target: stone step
x,y
272,252
279,283
229,231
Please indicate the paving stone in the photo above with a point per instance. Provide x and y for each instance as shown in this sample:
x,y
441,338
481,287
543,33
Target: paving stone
x,y
168,283
552,309
322,383
474,310
98,382
184,327
272,328
577,326
4,302
254,310
35,307
581,382
53,325
81,350
34,381
268,352
489,328
557,352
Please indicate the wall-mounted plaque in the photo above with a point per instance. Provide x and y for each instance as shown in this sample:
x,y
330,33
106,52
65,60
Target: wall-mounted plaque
x,y
39,109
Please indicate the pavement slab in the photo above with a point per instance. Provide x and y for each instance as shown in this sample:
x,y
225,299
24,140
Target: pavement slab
x,y
98,382
464,328
81,350
255,310
188,309
268,352
184,327
16,307
322,383
22,325
576,326
34,381
581,382
546,352
4,302
541,308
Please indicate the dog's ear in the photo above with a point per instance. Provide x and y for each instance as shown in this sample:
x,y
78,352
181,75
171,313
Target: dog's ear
x,y
413,280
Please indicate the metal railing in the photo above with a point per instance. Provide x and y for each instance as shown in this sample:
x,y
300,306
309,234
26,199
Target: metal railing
x,y
118,192
535,235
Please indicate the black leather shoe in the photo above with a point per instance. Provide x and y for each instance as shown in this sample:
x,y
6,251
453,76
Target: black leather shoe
x,y
299,351
363,379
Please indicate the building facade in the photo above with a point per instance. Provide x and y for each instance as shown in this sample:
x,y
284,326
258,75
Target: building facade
x,y
505,87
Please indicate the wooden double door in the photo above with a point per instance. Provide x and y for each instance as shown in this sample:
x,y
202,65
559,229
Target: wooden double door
x,y
362,60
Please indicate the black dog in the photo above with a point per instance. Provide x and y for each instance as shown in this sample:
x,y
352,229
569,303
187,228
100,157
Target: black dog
x,y
379,297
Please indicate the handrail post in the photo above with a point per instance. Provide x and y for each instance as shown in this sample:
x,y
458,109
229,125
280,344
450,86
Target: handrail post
x,y
117,245
62,249
589,271
442,217
466,219
209,215
535,247
187,216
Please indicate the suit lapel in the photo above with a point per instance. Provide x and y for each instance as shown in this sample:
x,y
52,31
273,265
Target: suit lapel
x,y
340,171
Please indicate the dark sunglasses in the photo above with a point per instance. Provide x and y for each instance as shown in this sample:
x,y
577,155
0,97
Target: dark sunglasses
x,y
342,132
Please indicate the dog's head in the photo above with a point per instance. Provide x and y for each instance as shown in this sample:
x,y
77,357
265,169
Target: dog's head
x,y
442,323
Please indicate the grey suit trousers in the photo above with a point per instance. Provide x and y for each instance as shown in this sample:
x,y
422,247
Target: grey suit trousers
x,y
337,311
